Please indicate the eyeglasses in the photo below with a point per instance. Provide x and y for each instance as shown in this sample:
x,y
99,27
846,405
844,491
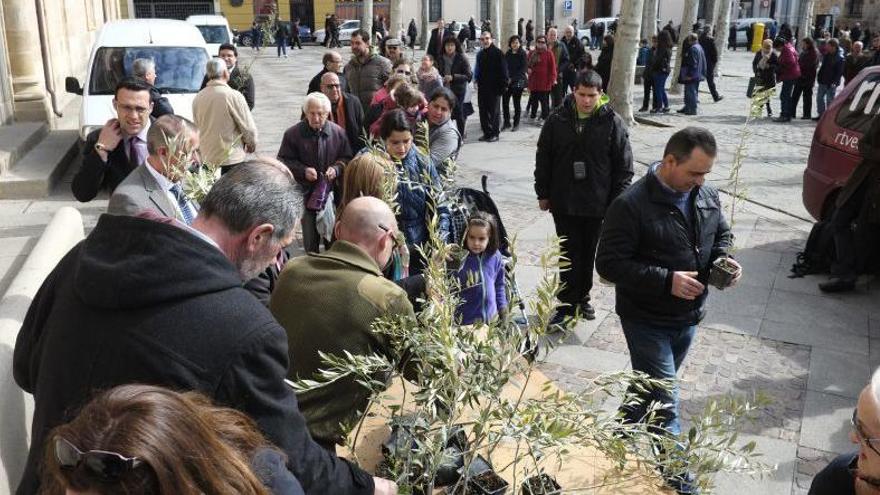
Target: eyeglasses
x,y
131,109
105,465
394,235
863,438
331,85
394,48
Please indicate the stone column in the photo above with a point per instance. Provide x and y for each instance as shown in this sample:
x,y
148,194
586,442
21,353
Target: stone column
x,y
539,17
395,18
509,19
25,61
367,19
495,15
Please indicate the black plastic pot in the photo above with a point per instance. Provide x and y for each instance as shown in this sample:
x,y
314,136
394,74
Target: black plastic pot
x,y
482,480
449,471
542,484
722,273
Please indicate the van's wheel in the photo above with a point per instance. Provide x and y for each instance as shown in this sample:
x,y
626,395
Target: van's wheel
x,y
245,40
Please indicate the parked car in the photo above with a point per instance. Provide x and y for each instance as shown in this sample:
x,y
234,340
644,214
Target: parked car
x,y
245,38
215,30
743,24
455,29
345,30
835,149
584,32
177,48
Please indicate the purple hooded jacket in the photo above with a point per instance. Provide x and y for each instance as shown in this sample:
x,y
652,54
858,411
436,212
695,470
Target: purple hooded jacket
x,y
789,69
482,301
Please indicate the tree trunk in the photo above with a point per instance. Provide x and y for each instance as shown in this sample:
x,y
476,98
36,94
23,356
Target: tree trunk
x,y
649,19
722,28
425,32
688,18
805,18
367,19
509,20
539,17
495,20
395,20
623,65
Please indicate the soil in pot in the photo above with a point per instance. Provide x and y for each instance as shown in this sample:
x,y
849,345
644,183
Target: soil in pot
x,y
544,484
488,483
722,273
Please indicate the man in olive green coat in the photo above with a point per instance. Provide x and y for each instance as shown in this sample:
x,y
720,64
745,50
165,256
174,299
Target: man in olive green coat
x,y
328,301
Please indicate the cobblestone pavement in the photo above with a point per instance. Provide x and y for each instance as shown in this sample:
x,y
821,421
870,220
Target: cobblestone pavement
x,y
811,353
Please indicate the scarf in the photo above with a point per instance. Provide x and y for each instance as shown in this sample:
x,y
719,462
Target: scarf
x,y
338,117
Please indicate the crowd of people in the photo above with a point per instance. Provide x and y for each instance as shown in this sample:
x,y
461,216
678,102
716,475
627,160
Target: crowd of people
x,y
256,317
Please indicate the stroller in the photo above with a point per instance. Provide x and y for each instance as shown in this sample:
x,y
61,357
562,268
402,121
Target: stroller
x,y
467,201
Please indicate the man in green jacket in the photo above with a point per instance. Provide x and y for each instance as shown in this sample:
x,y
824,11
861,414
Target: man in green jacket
x,y
327,302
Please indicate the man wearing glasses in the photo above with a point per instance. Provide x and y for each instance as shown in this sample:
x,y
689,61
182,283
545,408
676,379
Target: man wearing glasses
x,y
345,110
393,50
350,271
112,152
857,472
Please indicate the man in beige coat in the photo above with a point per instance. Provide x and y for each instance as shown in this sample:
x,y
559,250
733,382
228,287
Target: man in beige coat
x,y
221,113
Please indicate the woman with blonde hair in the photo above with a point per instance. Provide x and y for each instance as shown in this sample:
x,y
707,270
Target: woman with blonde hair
x,y
365,175
141,439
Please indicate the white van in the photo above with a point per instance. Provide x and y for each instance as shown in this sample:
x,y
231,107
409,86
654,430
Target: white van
x,y
176,47
584,32
215,30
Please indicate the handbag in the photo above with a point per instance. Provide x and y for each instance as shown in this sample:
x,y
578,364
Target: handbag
x,y
750,91
318,195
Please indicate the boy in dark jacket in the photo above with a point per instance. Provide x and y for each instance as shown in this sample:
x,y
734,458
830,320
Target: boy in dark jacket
x,y
583,162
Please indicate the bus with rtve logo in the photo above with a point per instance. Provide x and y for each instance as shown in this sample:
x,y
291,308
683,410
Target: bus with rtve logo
x,y
835,149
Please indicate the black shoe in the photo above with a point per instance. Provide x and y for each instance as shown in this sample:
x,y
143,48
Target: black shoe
x,y
655,110
665,110
587,311
720,97
492,139
837,284
643,109
559,321
689,112
815,119
806,117
782,119
514,128
505,126
681,110
483,138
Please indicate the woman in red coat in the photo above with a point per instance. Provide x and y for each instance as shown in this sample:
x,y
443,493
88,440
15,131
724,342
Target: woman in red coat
x,y
542,76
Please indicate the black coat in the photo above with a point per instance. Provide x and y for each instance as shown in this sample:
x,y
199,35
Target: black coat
x,y
161,105
354,121
709,49
315,83
145,302
243,83
660,60
472,28
516,65
575,54
461,73
492,71
645,238
603,145
435,44
765,78
94,175
603,65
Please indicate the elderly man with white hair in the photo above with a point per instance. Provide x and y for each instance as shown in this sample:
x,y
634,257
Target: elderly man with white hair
x,y
857,473
145,68
228,130
316,150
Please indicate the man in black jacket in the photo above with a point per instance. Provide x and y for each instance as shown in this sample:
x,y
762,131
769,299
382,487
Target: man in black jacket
x,y
332,62
239,80
435,43
659,241
563,64
491,80
575,54
113,151
145,68
147,301
711,52
583,162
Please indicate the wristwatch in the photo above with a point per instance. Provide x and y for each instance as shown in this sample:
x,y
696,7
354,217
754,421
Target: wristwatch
x,y
101,147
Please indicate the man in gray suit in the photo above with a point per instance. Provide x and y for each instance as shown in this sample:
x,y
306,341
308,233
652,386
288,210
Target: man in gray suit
x,y
155,184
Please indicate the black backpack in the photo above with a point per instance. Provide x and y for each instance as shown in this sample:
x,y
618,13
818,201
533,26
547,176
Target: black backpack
x,y
819,252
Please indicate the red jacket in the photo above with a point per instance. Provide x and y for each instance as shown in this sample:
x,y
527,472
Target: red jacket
x,y
789,69
542,70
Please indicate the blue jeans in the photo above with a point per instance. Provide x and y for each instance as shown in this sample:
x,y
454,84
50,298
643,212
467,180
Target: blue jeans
x,y
657,351
824,96
282,45
691,98
660,98
785,100
595,41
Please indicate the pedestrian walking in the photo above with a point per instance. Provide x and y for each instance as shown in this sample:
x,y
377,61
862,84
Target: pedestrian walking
x,y
660,69
603,65
707,43
764,66
789,72
576,53
472,33
563,63
281,32
294,34
808,60
645,60
328,30
530,34
334,30
829,76
256,36
583,162
490,77
731,37
517,70
412,32
659,241
542,77
693,70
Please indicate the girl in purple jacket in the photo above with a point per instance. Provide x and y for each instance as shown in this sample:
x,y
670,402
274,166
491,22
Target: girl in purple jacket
x,y
483,294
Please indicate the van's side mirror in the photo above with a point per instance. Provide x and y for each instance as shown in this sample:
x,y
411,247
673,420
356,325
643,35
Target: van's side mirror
x,y
71,85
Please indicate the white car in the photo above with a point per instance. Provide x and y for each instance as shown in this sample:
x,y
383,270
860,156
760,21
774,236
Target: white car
x,y
215,30
345,30
176,47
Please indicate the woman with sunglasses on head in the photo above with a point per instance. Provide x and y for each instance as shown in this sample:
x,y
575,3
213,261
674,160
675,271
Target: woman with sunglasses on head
x,y
141,439
857,473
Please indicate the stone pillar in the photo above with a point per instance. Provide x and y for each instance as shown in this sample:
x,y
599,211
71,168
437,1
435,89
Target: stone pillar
x,y
367,19
395,18
539,17
6,107
495,16
25,61
509,19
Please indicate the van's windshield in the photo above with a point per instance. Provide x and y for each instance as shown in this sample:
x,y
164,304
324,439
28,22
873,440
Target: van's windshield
x,y
214,34
178,69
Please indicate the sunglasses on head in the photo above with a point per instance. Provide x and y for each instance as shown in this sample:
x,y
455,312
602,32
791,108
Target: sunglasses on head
x,y
103,464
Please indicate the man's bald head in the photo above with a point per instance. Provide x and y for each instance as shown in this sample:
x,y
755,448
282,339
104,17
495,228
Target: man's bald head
x,y
369,223
330,86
